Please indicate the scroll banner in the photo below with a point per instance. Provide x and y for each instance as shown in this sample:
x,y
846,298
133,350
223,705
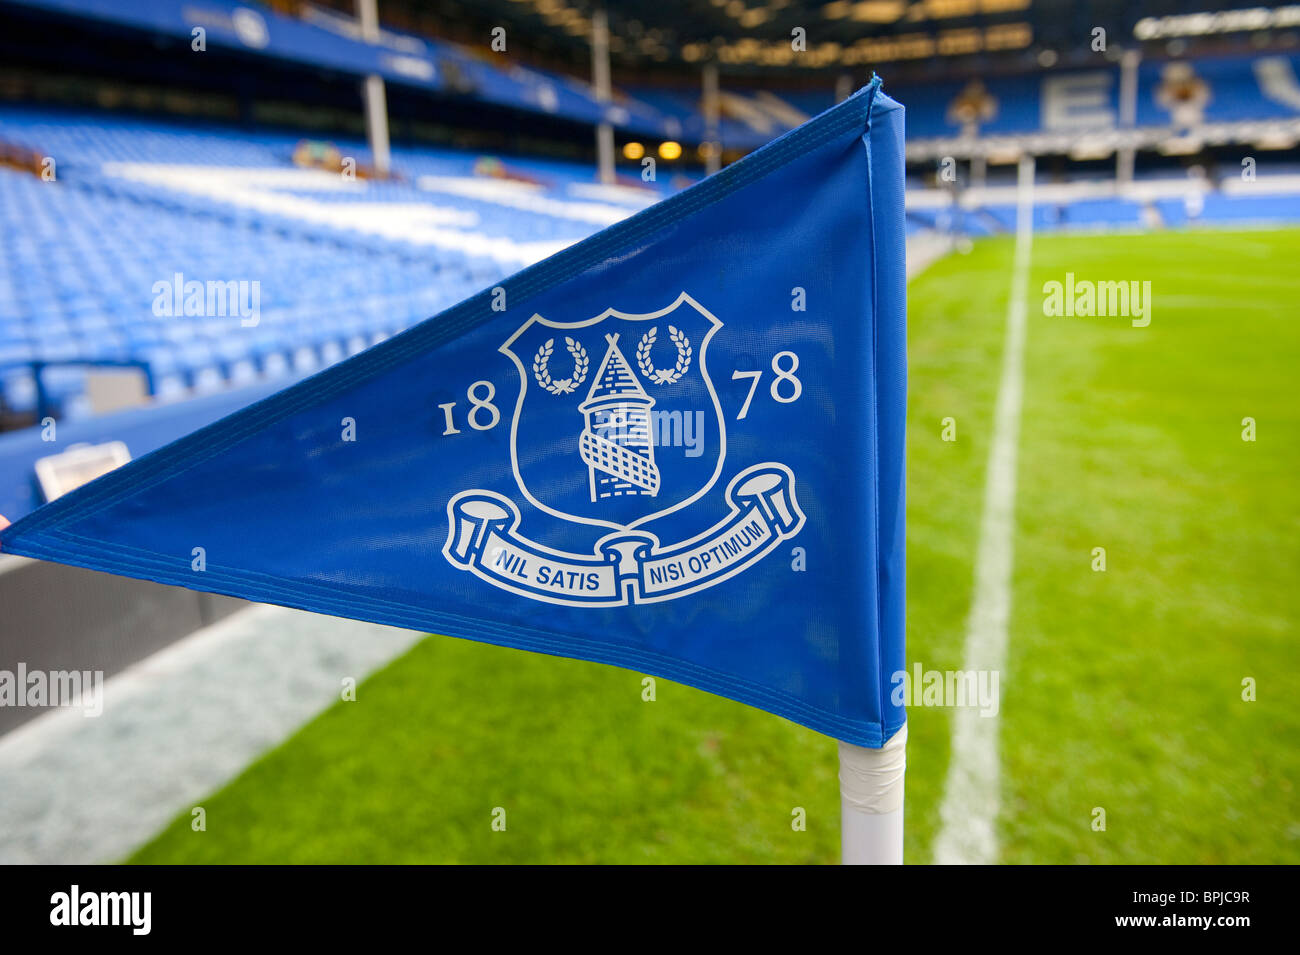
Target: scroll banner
x,y
628,567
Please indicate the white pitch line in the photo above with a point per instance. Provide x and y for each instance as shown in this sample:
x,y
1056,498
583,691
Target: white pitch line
x,y
175,727
969,812
924,249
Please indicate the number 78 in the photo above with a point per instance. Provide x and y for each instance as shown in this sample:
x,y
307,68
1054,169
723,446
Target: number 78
x,y
782,374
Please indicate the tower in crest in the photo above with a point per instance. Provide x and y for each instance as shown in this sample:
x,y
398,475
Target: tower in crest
x,y
616,442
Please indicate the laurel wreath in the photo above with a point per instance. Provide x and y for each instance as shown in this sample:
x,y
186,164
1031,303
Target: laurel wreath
x,y
542,372
664,376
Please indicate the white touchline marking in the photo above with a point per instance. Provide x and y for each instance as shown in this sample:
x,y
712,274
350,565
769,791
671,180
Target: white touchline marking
x,y
969,812
176,727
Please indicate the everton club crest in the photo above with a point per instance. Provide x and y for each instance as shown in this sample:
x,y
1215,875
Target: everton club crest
x,y
618,426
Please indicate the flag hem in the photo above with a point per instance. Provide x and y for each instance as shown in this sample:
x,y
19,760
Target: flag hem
x,y
67,548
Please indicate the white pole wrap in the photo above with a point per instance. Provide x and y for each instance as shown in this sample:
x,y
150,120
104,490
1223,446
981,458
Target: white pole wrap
x,y
871,802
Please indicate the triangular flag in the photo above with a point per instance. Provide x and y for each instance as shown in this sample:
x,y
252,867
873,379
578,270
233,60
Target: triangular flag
x,y
676,446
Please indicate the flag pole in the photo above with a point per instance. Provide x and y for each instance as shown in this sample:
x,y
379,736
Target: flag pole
x,y
871,802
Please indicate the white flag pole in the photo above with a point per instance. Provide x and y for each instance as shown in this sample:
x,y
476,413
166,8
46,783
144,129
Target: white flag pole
x,y
871,802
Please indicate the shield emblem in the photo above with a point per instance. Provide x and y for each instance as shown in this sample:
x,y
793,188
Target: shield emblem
x,y
617,422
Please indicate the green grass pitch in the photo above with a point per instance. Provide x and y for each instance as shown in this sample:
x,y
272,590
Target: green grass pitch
x,y
1122,691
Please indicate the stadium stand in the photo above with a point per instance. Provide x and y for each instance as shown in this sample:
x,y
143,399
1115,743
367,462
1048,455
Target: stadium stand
x,y
338,264
1180,93
210,258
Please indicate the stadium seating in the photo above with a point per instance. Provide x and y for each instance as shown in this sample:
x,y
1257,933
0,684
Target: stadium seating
x,y
1228,90
338,264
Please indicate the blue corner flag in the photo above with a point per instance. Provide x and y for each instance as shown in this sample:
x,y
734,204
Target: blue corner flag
x,y
676,447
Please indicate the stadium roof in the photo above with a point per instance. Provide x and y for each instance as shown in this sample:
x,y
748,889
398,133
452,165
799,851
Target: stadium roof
x,y
755,35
